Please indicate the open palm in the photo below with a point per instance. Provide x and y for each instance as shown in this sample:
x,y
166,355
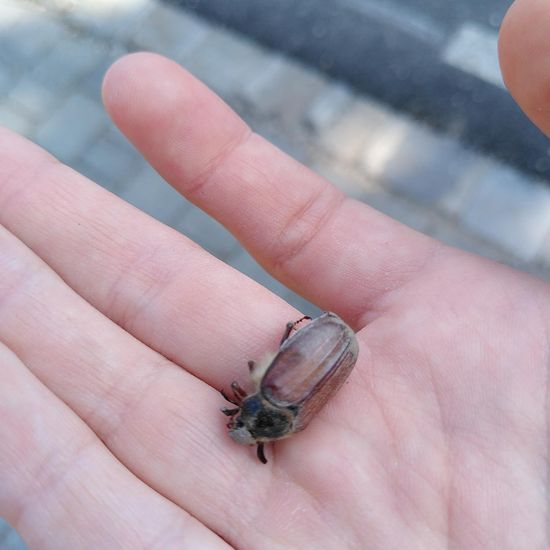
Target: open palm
x,y
117,332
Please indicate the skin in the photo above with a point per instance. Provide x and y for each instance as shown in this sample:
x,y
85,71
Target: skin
x,y
116,333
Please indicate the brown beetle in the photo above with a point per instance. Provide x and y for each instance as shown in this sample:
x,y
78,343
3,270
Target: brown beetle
x,y
293,386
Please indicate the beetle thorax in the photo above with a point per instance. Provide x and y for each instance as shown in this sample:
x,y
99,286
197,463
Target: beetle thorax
x,y
260,420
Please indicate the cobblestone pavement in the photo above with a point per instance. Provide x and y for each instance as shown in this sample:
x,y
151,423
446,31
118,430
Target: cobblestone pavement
x,y
53,54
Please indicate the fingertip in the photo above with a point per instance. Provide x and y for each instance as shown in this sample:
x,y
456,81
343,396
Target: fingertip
x,y
171,117
126,76
510,37
524,54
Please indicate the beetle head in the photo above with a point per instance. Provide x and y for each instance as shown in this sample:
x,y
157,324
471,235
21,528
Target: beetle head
x,y
240,433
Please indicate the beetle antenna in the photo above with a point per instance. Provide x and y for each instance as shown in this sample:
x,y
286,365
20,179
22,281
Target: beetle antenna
x,y
230,412
227,398
290,326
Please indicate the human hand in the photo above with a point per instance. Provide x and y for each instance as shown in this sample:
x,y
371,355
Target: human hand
x,y
117,332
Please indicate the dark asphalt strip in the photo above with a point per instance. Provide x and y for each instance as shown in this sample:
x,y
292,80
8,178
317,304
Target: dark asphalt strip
x,y
386,62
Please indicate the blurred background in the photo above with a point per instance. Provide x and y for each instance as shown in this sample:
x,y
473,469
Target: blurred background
x,y
399,103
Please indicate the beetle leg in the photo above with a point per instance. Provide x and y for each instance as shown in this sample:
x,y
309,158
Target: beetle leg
x,y
238,392
288,330
230,412
251,365
231,400
290,325
260,453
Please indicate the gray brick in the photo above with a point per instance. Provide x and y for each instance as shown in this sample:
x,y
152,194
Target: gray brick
x,y
151,194
400,209
14,120
284,88
224,61
283,139
72,128
415,215
358,126
421,164
59,6
352,183
387,133
328,106
67,62
253,89
33,98
7,79
473,48
510,210
11,12
92,81
30,38
9,538
170,31
543,254
207,232
111,19
112,161
454,235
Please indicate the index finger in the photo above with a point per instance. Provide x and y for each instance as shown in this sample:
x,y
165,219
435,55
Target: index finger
x,y
339,253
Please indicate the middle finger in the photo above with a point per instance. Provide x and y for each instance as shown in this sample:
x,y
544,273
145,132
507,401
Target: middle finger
x,y
151,280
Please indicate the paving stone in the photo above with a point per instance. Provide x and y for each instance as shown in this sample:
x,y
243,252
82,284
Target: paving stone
x,y
11,11
72,128
282,139
543,253
455,198
9,538
422,164
112,161
224,61
109,18
152,195
253,88
509,210
30,38
454,235
60,6
283,87
33,98
67,62
7,79
5,528
473,48
92,81
328,106
351,182
15,120
387,135
420,217
400,209
347,138
208,233
170,31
